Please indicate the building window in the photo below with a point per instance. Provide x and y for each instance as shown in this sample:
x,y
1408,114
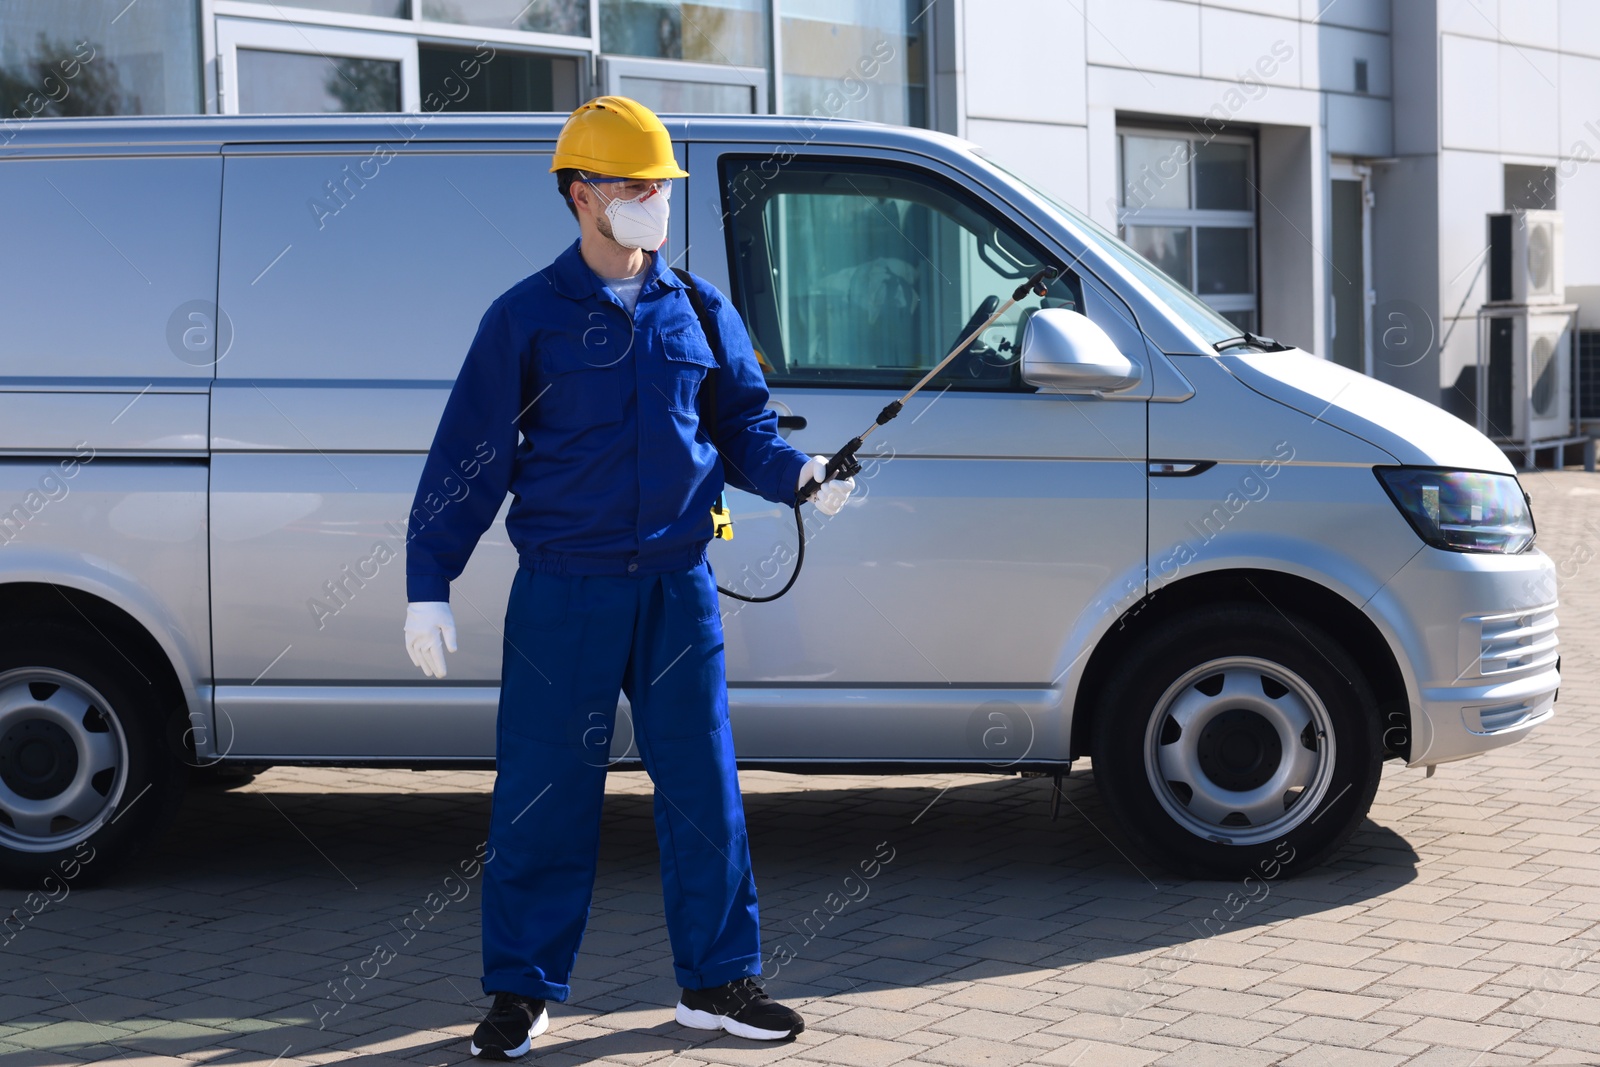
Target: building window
x,y
689,87
727,32
546,16
392,9
509,81
865,59
69,59
1188,206
673,56
1530,187
271,81
860,59
1589,374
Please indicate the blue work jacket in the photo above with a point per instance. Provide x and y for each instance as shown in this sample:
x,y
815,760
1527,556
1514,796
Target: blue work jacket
x,y
613,472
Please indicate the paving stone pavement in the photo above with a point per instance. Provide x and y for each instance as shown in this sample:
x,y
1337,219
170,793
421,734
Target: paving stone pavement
x,y
1458,928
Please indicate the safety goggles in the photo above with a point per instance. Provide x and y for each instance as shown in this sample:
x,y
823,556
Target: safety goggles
x,y
635,188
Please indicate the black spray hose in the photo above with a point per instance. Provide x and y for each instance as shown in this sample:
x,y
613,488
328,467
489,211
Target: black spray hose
x,y
843,463
799,561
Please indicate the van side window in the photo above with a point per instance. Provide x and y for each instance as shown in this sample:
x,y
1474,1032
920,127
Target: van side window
x,y
852,273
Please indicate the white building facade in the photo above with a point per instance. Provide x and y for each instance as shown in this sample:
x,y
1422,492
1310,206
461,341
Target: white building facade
x,y
1365,141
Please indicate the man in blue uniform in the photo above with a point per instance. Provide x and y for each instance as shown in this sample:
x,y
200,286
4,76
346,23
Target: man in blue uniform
x,y
598,362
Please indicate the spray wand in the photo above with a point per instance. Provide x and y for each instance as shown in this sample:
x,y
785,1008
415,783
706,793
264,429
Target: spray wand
x,y
843,463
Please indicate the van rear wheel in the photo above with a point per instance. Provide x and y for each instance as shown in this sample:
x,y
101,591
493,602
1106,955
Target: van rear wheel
x,y
86,779
1238,740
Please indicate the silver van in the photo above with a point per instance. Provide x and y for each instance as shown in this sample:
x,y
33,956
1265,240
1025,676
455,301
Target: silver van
x,y
1235,576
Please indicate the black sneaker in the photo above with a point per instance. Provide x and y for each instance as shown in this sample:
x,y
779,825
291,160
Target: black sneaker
x,y
742,1008
510,1027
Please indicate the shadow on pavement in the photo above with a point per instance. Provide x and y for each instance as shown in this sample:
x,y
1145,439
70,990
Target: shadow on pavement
x,y
253,918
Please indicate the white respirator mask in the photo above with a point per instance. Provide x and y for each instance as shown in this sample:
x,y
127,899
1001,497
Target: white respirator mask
x,y
640,222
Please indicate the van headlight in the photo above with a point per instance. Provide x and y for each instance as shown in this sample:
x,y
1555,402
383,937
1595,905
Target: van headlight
x,y
1463,511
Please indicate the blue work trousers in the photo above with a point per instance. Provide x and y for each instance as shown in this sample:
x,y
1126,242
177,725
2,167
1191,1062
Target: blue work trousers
x,y
572,642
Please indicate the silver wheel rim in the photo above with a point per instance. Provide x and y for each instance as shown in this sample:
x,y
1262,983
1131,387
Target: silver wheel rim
x,y
63,759
1240,750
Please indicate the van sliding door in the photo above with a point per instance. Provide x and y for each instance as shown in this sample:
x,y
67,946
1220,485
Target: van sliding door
x,y
353,278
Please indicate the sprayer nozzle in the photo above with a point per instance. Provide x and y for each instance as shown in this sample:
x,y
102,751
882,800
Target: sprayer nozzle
x,y
1038,284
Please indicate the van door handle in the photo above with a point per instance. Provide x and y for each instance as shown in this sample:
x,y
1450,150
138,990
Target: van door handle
x,y
1179,468
791,422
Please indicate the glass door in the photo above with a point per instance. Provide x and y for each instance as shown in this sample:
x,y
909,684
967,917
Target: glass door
x,y
283,67
1350,301
1189,206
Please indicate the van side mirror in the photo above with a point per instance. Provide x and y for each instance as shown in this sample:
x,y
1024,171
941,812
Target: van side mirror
x,y
1064,352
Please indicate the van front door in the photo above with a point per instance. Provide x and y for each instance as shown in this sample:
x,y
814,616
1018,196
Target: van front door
x,y
940,612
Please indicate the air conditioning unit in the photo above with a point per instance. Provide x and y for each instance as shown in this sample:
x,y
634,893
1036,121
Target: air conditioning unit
x,y
1525,257
1530,369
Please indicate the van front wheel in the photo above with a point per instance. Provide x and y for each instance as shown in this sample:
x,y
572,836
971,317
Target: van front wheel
x,y
1238,740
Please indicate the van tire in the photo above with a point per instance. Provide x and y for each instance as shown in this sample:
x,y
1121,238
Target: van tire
x,y
69,704
1215,719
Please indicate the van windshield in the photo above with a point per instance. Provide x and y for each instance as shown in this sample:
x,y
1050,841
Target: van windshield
x,y
1194,311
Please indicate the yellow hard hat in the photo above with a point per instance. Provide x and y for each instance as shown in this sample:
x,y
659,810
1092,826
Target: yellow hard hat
x,y
617,137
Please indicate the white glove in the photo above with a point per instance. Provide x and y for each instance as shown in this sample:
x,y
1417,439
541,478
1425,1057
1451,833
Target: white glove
x,y
430,629
832,495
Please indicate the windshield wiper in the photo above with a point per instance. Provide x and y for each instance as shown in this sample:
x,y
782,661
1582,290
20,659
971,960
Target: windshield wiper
x,y
1266,344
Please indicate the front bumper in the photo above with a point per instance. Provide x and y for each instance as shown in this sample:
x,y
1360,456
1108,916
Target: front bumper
x,y
1476,636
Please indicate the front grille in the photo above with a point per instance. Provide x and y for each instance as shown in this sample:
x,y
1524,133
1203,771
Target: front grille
x,y
1518,641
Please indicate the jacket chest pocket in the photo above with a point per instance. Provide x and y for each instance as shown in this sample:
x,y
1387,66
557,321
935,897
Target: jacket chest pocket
x,y
581,388
689,361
